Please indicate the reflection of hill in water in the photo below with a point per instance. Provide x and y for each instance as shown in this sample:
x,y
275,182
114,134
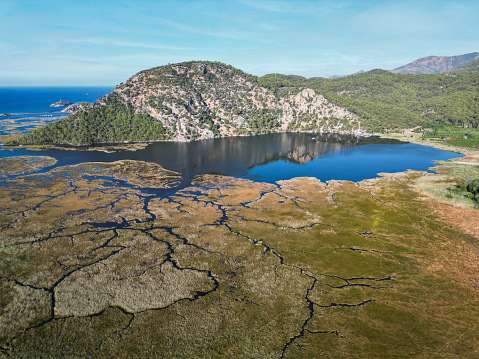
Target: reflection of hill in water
x,y
303,148
235,155
243,156
300,154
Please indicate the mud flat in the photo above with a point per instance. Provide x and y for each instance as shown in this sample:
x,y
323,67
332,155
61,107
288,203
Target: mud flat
x,y
96,261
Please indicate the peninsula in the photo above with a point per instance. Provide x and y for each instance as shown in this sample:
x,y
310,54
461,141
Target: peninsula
x,y
60,103
202,99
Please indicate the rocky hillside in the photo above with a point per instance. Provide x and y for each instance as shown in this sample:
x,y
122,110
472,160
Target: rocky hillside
x,y
436,64
198,100
204,99
194,100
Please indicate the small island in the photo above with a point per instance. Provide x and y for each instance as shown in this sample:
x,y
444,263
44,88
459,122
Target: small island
x,y
60,103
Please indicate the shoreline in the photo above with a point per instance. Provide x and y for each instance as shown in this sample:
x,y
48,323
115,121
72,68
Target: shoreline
x,y
470,154
142,144
435,186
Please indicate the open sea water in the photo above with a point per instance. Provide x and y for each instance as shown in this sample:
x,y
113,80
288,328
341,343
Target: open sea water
x,y
22,109
37,100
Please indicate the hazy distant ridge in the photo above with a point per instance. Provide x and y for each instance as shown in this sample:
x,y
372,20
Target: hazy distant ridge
x,y
436,64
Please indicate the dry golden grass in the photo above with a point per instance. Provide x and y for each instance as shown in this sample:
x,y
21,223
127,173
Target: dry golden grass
x,y
21,307
14,166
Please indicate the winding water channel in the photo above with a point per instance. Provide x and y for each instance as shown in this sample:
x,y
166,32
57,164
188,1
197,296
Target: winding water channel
x,y
122,218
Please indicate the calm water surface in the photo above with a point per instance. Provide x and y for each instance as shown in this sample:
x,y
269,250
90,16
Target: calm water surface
x,y
270,158
37,100
267,158
23,109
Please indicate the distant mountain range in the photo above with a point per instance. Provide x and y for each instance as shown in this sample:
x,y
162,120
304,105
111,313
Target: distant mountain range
x,y
436,64
470,67
338,76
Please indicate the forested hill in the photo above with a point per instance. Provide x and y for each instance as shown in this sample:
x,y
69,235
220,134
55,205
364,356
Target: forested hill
x,y
200,99
387,101
194,100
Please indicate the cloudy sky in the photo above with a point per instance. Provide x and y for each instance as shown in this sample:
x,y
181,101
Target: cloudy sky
x,y
103,42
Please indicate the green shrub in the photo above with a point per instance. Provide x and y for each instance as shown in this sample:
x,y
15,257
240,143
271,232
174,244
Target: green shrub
x,y
469,190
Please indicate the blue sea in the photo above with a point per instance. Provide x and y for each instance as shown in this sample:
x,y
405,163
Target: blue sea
x,y
29,107
28,100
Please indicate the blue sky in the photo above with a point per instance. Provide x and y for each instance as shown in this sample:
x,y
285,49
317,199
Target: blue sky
x,y
84,42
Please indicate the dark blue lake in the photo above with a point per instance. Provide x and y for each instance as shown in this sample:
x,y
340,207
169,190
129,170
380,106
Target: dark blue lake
x,y
270,158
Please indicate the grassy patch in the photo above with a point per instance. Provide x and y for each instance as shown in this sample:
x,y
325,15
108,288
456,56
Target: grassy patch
x,y
232,268
465,143
450,174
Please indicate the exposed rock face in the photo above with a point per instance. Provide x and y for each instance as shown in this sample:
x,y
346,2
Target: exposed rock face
x,y
197,100
72,108
308,103
436,64
60,104
207,134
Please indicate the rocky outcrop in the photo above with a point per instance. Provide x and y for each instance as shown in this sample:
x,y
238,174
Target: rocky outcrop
x,y
194,100
60,103
72,108
199,100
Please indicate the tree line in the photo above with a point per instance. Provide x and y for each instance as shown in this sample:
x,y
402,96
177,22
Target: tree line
x,y
114,123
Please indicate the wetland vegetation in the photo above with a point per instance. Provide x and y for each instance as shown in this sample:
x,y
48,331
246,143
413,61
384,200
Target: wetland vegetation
x,y
97,261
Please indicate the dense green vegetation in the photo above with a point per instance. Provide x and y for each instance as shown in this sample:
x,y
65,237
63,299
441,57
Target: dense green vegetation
x,y
453,135
387,101
469,190
467,143
451,131
263,122
115,123
472,66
